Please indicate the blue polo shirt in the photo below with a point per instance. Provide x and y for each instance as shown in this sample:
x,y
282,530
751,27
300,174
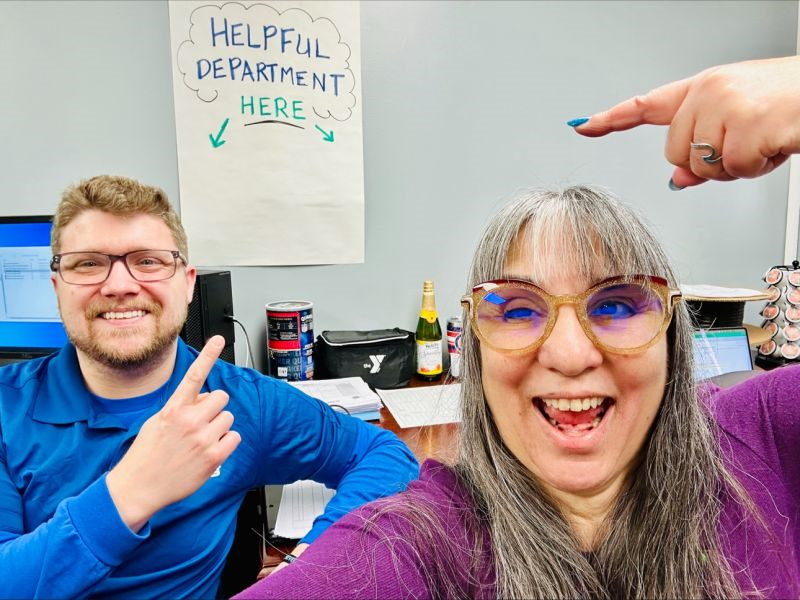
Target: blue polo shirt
x,y
60,533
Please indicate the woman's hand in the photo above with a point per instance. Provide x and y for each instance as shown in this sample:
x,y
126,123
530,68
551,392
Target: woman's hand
x,y
749,112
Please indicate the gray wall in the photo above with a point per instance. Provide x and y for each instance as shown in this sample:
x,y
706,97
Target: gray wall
x,y
463,104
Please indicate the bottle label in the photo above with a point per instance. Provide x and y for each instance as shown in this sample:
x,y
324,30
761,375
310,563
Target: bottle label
x,y
429,315
429,357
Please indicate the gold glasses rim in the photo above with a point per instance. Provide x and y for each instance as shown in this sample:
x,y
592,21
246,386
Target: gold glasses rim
x,y
669,297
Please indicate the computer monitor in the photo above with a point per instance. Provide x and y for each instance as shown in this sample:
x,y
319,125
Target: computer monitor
x,y
719,351
30,325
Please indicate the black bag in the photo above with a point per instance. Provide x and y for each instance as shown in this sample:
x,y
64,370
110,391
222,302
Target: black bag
x,y
384,358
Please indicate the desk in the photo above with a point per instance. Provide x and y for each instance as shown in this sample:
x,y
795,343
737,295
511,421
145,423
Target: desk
x,y
432,441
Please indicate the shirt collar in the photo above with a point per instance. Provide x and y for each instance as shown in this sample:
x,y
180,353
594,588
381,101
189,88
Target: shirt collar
x,y
63,398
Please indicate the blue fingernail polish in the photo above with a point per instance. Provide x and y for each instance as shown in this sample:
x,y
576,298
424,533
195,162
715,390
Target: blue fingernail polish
x,y
577,122
674,187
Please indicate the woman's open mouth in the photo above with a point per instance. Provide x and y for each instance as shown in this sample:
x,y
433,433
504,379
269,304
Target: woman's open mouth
x,y
574,416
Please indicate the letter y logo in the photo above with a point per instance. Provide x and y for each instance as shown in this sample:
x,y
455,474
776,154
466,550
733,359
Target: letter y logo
x,y
376,359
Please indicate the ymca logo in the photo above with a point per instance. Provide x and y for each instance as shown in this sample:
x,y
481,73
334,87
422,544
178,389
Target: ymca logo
x,y
375,366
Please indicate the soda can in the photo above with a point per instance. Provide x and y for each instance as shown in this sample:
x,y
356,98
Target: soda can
x,y
290,340
455,326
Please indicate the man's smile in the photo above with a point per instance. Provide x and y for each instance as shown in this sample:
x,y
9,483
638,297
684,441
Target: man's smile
x,y
130,314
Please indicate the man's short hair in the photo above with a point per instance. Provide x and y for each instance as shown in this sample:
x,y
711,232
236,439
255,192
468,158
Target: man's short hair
x,y
118,196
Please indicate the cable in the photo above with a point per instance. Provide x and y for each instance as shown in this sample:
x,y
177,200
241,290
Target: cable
x,y
285,556
247,339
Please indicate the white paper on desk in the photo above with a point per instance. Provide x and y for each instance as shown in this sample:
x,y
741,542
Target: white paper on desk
x,y
352,393
301,503
416,407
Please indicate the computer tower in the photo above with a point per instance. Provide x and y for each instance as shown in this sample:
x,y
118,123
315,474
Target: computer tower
x,y
211,304
243,562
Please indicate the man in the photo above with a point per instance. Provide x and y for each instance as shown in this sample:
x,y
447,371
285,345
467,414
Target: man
x,y
125,456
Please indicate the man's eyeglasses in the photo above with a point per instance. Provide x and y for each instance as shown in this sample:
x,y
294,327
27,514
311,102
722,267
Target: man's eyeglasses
x,y
90,268
622,315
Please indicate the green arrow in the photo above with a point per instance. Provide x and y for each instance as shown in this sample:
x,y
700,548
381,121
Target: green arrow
x,y
328,137
216,142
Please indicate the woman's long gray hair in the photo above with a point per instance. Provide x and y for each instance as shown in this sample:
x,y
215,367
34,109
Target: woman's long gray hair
x,y
662,539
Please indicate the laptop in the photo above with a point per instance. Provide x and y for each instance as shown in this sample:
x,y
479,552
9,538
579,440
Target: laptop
x,y
720,351
30,325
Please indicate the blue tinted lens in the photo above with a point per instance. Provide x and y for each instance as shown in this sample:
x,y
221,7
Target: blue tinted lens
x,y
521,314
626,315
511,317
613,309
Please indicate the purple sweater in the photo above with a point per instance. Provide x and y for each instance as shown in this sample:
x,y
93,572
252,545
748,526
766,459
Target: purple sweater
x,y
367,553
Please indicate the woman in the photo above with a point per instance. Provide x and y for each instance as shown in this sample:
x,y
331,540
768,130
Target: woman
x,y
590,465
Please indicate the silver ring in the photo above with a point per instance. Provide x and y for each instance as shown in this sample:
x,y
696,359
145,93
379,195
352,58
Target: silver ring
x,y
711,158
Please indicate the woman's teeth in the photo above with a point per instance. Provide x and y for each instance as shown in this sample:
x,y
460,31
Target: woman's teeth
x,y
574,416
574,404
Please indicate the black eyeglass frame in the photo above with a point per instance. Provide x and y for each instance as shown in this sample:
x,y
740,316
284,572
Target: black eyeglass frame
x,y
55,264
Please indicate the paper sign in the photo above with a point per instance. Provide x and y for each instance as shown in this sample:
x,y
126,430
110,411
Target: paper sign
x,y
269,130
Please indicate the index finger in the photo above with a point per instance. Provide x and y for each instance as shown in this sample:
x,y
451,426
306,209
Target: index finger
x,y
191,384
657,107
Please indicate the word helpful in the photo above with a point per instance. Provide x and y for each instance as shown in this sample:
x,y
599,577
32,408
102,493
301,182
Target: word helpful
x,y
265,37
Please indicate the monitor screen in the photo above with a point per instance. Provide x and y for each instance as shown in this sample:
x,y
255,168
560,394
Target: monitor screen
x,y
718,351
29,321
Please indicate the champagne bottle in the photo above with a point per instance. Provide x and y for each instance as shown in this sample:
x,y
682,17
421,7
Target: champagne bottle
x,y
429,337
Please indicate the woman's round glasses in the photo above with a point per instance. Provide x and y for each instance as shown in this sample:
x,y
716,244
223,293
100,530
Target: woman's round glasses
x,y
90,268
623,315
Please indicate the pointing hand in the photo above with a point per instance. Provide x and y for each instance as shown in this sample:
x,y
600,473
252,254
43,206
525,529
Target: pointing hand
x,y
178,448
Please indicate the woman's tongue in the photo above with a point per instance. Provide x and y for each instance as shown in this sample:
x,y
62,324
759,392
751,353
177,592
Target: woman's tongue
x,y
573,418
